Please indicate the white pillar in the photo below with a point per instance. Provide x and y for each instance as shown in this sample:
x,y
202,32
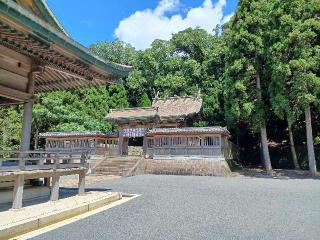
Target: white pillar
x,y
55,188
82,177
18,192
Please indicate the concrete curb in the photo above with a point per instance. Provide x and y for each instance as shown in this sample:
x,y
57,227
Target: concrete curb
x,y
35,223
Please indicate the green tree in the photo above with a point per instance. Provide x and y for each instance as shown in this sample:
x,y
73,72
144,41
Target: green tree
x,y
123,53
115,51
246,80
295,52
145,101
10,127
193,59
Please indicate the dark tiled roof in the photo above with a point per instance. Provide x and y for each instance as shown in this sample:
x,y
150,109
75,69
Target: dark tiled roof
x,y
214,129
42,10
78,134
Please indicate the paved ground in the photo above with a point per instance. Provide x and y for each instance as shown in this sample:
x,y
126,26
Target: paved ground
x,y
72,180
50,208
185,207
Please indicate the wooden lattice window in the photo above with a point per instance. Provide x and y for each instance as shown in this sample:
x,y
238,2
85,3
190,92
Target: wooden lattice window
x,y
194,141
150,143
67,143
211,141
157,142
178,141
165,141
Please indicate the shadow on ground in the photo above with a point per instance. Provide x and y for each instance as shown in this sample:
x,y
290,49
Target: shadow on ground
x,y
63,193
277,174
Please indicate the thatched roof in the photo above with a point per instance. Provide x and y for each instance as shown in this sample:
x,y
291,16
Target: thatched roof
x,y
178,107
171,108
128,114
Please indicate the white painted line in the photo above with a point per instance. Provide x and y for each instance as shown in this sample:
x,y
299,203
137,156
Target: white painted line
x,y
74,219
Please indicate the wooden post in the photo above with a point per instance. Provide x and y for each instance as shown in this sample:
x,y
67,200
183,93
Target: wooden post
x,y
22,163
56,161
47,182
55,188
26,125
42,159
120,143
18,192
82,178
83,159
145,145
27,115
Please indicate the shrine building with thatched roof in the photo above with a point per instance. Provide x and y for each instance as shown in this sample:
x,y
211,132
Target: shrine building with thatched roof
x,y
167,129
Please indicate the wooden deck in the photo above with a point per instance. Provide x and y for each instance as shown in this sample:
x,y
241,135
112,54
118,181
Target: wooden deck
x,y
19,166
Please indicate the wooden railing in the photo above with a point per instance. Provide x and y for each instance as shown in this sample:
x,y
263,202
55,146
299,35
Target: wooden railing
x,y
188,151
41,160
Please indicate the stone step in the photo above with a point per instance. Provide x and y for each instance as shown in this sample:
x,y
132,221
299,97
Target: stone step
x,y
116,161
113,168
116,166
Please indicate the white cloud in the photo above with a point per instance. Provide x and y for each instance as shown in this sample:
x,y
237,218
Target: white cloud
x,y
143,27
226,18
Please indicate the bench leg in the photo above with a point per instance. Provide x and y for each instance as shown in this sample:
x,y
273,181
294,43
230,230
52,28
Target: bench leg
x,y
18,192
55,188
82,178
47,182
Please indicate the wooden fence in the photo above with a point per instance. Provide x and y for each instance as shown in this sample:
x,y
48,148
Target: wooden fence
x,y
41,160
188,151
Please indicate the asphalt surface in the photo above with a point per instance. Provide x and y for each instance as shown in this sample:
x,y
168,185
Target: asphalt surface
x,y
187,207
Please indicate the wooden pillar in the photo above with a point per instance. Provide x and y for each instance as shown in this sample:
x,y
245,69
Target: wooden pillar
x,y
145,145
120,143
26,125
18,192
46,182
55,188
27,115
82,178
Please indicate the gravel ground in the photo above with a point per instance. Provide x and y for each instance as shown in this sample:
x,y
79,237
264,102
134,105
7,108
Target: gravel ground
x,y
190,207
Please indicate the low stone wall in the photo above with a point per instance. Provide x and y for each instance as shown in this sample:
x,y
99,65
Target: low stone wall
x,y
200,167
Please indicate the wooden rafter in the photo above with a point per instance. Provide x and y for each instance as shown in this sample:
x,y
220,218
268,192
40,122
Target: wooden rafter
x,y
61,72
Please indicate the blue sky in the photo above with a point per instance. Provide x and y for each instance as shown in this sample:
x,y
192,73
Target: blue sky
x,y
135,21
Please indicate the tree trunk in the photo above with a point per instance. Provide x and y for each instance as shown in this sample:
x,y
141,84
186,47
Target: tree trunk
x,y
263,133
265,149
311,156
293,149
